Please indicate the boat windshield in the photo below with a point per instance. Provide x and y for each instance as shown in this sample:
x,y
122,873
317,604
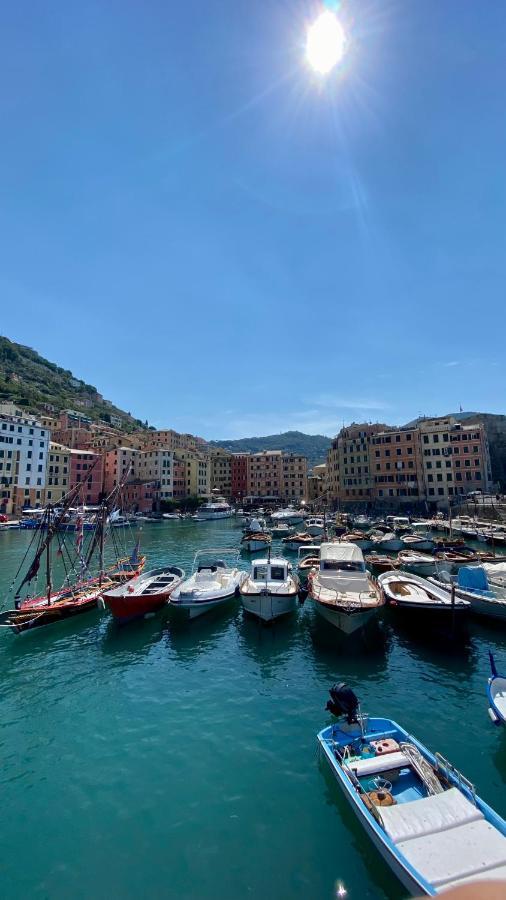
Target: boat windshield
x,y
342,565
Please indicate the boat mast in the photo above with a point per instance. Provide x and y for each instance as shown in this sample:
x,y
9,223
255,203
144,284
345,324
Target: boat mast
x,y
102,536
48,557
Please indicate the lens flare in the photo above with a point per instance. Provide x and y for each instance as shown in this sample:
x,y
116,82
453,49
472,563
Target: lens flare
x,y
325,43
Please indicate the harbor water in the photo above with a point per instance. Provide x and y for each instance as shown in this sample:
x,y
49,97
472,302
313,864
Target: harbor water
x,y
180,760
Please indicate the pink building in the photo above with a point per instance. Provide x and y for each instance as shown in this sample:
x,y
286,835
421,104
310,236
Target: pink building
x,y
140,496
81,461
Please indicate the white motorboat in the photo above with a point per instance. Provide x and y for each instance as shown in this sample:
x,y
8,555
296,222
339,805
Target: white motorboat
x,y
256,537
344,593
411,594
315,526
171,516
288,516
421,563
255,523
216,508
211,583
281,531
472,584
270,590
417,542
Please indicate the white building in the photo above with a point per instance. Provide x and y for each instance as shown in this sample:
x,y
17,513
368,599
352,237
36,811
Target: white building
x,y
24,445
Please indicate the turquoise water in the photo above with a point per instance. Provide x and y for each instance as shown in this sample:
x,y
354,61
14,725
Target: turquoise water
x,y
163,761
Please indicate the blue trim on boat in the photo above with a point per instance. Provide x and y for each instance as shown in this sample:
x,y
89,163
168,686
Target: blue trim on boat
x,y
377,728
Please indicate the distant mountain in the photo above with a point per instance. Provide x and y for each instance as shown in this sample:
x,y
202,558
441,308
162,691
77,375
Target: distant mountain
x,y
314,446
32,382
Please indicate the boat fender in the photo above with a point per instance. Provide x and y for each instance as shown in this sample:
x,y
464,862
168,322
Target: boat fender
x,y
101,603
237,592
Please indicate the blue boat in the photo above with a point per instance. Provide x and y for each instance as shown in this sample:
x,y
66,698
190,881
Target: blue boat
x,y
496,693
420,812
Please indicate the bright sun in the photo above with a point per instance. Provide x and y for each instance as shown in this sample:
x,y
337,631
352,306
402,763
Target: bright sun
x,y
325,43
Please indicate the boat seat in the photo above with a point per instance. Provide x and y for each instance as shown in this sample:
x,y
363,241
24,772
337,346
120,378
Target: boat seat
x,y
446,838
429,815
375,764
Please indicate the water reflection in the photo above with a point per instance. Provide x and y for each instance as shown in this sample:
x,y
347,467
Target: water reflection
x,y
189,639
268,645
379,873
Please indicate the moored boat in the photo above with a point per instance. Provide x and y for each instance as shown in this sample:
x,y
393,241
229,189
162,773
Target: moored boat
x,y
341,588
378,562
308,558
358,538
295,541
315,526
216,508
422,814
496,694
270,590
417,598
417,542
471,584
422,563
390,542
211,584
256,537
144,594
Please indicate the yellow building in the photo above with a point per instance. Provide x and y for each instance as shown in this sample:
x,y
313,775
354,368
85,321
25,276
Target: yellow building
x,y
221,471
276,475
58,473
317,483
197,473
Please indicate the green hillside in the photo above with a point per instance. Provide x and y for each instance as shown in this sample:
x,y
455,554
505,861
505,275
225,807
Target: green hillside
x,y
32,381
314,446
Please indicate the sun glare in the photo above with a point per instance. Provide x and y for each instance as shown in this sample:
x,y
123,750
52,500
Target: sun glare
x,y
325,43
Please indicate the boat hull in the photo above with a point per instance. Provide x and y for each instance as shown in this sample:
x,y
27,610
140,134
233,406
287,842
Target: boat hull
x,y
126,609
346,622
268,607
253,545
192,609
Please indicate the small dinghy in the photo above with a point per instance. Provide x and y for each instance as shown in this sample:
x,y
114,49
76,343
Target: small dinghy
x,y
471,584
417,542
211,584
270,590
418,598
295,541
143,595
496,693
308,558
256,537
378,562
421,813
361,540
421,563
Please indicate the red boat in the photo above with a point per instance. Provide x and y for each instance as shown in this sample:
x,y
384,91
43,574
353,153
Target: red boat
x,y
142,595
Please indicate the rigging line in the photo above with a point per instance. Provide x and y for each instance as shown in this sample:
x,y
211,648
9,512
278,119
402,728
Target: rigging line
x,y
34,535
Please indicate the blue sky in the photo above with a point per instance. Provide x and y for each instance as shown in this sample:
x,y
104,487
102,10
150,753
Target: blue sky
x,y
224,243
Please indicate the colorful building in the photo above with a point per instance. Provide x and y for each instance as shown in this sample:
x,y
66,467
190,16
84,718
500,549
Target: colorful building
x,y
395,465
58,473
221,471
239,475
119,464
86,467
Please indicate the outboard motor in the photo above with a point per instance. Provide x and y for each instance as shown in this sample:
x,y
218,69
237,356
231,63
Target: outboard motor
x,y
343,702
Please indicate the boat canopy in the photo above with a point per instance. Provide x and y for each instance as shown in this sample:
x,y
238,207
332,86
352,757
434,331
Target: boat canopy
x,y
473,578
341,551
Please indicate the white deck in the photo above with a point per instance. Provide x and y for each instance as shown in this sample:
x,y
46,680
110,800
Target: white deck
x,y
446,839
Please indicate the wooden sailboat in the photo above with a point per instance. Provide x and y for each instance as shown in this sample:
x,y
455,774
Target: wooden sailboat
x,y
81,589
